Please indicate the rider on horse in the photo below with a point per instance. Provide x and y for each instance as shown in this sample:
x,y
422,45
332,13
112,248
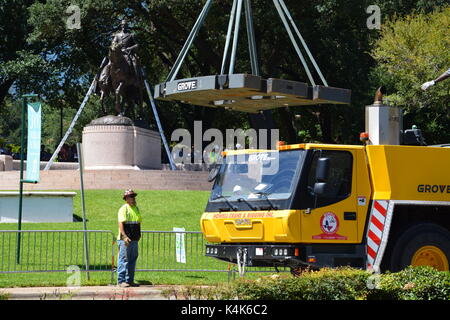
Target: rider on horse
x,y
121,72
129,46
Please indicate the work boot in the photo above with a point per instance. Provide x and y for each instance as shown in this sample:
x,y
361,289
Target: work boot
x,y
124,285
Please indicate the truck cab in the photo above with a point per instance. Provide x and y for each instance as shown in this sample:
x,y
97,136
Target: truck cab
x,y
302,204
383,205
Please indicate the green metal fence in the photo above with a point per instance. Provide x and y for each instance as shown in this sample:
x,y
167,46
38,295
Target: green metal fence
x,y
60,250
56,251
176,251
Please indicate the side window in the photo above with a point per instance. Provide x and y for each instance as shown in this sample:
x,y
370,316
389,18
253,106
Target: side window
x,y
339,183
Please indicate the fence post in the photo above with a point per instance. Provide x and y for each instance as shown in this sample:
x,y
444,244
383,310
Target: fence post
x,y
112,258
86,245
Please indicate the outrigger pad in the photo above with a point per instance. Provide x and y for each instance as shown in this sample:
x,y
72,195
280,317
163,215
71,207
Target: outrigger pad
x,y
248,93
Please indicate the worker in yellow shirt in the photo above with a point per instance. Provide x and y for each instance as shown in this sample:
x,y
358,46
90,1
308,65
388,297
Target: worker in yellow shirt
x,y
129,234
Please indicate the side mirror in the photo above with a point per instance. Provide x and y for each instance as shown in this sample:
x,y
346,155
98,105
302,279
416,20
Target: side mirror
x,y
322,169
319,188
322,174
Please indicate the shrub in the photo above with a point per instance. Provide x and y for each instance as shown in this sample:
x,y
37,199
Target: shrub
x,y
326,284
415,283
4,296
419,283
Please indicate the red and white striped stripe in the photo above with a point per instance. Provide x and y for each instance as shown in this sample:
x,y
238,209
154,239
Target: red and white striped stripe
x,y
375,231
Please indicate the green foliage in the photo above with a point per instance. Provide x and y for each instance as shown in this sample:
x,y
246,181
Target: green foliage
x,y
10,122
4,296
52,132
326,284
21,63
403,7
27,65
412,50
40,54
419,283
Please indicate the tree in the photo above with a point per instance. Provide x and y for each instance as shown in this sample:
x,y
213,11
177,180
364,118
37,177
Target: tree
x,y
410,51
59,62
21,62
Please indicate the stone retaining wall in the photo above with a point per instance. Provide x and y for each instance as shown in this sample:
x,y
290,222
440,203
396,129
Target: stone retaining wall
x,y
111,179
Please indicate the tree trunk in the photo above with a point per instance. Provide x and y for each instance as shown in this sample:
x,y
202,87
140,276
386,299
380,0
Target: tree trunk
x,y
325,121
287,120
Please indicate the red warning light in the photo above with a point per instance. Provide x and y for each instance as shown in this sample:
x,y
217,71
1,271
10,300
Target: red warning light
x,y
364,136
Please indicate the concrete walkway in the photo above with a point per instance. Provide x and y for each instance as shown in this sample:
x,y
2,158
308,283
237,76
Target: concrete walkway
x,y
144,292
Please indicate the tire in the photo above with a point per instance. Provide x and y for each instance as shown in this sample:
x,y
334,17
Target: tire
x,y
422,244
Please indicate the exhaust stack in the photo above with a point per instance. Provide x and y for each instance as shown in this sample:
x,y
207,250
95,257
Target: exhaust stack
x,y
384,123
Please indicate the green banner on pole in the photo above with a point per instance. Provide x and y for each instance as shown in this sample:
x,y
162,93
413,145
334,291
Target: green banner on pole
x,y
34,141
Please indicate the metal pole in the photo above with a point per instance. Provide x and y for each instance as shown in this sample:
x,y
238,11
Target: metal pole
x,y
235,37
294,42
69,130
22,143
251,38
201,18
61,122
158,122
305,46
77,115
83,208
227,41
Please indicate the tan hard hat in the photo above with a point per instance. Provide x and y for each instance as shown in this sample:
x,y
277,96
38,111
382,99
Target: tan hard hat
x,y
129,192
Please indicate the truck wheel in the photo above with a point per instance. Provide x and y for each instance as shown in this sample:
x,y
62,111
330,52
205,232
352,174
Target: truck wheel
x,y
423,244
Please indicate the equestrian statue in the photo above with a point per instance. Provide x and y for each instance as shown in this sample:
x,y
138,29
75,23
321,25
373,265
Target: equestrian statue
x,y
121,73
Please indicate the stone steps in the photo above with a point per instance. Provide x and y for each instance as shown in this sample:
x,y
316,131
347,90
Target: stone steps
x,y
111,179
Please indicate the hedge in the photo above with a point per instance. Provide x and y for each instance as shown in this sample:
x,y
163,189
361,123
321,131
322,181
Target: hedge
x,y
413,283
420,283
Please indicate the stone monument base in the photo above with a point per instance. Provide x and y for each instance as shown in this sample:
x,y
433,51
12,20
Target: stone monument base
x,y
111,147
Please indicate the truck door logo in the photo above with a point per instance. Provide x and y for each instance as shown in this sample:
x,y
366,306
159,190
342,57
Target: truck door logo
x,y
329,223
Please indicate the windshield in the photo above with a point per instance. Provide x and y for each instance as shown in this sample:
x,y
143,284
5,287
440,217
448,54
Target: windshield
x,y
258,175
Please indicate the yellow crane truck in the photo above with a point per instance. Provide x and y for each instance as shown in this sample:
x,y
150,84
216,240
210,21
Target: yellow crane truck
x,y
382,205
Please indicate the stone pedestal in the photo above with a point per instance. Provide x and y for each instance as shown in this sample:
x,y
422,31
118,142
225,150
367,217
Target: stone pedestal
x,y
120,147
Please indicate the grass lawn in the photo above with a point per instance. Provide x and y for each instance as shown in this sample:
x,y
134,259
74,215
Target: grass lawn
x,y
161,211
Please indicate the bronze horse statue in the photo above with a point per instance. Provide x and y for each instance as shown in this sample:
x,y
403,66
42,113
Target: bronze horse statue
x,y
120,78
